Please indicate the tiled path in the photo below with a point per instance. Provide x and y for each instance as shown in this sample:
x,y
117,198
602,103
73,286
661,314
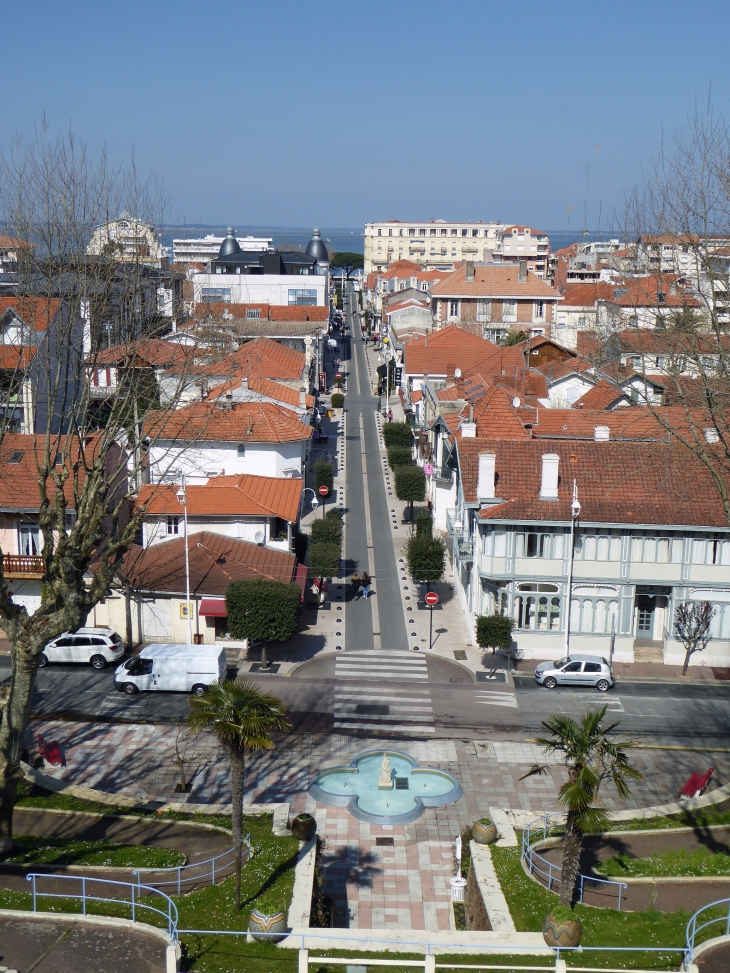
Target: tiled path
x,y
373,885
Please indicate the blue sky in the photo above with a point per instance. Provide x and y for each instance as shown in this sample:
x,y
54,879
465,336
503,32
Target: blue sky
x,y
294,113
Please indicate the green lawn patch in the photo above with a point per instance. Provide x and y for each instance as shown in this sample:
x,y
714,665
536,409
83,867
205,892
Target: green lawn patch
x,y
701,818
683,861
43,850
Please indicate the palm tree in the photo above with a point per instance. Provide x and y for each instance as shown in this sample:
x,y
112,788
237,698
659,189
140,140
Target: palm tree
x,y
591,757
242,717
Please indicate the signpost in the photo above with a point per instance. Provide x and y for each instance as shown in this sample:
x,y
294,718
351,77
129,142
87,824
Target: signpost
x,y
432,599
323,492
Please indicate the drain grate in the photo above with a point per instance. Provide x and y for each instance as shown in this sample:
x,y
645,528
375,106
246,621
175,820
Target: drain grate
x,y
372,709
401,783
383,842
460,654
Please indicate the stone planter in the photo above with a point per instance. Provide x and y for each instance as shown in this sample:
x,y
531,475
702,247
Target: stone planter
x,y
484,833
561,932
258,923
304,827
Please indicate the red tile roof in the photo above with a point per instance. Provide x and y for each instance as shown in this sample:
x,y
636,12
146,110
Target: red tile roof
x,y
252,422
36,312
215,561
642,292
267,312
586,295
601,396
453,347
13,358
264,358
149,351
494,280
497,418
19,489
262,386
14,243
618,482
247,496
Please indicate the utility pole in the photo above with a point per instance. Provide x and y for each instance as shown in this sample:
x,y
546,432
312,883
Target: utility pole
x,y
182,497
574,515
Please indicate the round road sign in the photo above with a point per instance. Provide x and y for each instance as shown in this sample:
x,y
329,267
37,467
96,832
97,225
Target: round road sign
x,y
324,490
432,598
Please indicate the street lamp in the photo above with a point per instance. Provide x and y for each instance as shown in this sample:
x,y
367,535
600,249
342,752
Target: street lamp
x,y
182,498
574,515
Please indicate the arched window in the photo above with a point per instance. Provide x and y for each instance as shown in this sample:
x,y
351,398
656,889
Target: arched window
x,y
599,621
586,619
542,613
554,614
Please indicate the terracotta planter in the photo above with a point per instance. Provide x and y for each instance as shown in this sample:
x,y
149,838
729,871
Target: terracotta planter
x,y
561,932
259,922
304,827
484,834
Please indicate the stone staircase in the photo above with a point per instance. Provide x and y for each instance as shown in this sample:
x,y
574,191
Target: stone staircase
x,y
647,650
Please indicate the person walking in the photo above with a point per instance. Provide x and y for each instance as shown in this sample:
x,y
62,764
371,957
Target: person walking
x,y
355,582
366,582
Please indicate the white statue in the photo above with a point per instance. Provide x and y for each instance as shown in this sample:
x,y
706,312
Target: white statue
x,y
385,781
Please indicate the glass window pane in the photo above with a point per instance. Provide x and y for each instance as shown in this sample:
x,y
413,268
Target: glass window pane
x,y
586,619
558,545
500,544
544,545
725,552
637,547
615,548
542,614
602,548
677,550
589,547
650,549
698,551
520,545
599,622
574,614
517,611
612,615
531,545
555,614
725,628
662,550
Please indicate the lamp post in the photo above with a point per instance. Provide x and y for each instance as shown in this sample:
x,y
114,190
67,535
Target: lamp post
x,y
574,515
182,498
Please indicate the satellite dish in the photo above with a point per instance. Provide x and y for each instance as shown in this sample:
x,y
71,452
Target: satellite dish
x,y
516,401
259,538
457,373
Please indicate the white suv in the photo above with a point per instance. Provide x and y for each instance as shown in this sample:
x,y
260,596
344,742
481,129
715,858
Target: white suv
x,y
98,646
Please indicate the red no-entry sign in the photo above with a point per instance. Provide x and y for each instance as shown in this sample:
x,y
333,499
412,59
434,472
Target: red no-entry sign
x,y
324,490
432,598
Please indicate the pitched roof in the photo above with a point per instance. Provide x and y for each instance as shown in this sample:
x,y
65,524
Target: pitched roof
x,y
262,357
19,489
601,396
262,386
643,291
14,357
148,351
215,561
246,496
245,422
497,418
451,347
618,482
36,312
14,243
586,295
493,280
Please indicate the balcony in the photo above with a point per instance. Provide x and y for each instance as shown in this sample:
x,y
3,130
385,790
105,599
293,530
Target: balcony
x,y
23,566
444,475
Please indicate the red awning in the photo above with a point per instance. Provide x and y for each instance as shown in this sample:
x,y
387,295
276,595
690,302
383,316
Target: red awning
x,y
213,607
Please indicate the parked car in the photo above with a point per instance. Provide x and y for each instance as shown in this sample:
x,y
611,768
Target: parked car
x,y
98,646
576,670
174,667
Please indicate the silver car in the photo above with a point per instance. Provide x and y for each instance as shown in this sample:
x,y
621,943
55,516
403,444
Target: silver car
x,y
576,670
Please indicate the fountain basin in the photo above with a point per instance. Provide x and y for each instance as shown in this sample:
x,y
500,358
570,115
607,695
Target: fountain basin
x,y
356,787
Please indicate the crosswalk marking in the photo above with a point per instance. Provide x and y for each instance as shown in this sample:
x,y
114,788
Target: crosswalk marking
x,y
496,698
407,707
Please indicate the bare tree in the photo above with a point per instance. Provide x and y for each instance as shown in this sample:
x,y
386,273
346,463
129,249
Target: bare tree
x,y
692,620
85,455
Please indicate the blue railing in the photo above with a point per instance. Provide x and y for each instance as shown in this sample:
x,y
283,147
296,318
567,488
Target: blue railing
x,y
180,876
550,873
129,894
723,921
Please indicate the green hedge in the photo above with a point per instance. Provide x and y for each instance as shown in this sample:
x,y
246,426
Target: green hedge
x,y
262,610
327,531
397,434
425,557
324,560
323,475
399,456
337,400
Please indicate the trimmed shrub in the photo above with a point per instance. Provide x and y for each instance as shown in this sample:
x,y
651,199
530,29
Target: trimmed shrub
x,y
337,400
327,531
397,434
410,484
426,558
324,560
262,610
399,456
323,475
424,525
494,631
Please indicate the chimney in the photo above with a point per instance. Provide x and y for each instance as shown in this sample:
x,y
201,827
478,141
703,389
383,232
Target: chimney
x,y
244,384
302,398
522,272
549,482
470,271
469,429
602,434
485,482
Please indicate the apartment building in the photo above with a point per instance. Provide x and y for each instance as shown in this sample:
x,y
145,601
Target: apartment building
x,y
440,245
201,250
127,239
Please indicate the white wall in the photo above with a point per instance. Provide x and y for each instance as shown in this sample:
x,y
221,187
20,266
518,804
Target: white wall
x,y
262,288
202,460
242,528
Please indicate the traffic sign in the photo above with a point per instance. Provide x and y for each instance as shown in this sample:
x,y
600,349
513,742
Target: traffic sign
x,y
432,598
324,490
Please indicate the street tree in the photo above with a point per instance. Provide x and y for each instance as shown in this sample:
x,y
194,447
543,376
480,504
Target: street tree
x,y
263,610
397,434
243,718
692,621
495,632
84,461
348,261
323,475
324,560
425,558
514,337
591,756
410,485
399,456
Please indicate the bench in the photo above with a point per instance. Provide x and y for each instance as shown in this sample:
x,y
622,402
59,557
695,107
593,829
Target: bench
x,y
50,751
697,784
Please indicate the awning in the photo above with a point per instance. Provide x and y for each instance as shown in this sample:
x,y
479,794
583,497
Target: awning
x,y
213,607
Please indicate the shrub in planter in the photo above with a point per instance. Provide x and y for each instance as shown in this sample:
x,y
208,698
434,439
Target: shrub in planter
x,y
324,560
304,827
261,922
562,927
399,456
397,434
337,400
484,831
327,531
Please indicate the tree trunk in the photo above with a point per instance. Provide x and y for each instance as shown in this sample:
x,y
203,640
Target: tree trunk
x,y
687,654
14,721
237,813
571,861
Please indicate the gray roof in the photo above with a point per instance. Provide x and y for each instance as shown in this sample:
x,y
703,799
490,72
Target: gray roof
x,y
317,249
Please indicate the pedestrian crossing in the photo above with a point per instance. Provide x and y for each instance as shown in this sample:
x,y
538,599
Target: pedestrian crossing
x,y
493,697
394,709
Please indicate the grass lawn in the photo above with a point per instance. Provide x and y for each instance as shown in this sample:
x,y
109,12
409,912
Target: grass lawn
x,y
33,849
703,817
683,861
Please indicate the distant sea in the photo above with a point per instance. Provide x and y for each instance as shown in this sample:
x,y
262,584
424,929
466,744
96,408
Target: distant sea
x,y
338,238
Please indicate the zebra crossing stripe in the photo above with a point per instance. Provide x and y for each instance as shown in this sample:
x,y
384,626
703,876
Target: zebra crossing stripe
x,y
408,708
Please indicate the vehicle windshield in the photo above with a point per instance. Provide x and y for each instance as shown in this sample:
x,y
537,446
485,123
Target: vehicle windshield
x,y
116,638
561,662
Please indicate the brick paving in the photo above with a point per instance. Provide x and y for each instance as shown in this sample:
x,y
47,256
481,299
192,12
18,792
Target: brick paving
x,y
373,886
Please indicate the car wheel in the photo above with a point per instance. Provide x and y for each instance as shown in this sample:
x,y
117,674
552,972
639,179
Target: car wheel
x,y
199,690
130,689
602,685
551,682
98,661
42,660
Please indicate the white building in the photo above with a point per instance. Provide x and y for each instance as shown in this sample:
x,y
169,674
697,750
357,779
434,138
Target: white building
x,y
126,239
201,250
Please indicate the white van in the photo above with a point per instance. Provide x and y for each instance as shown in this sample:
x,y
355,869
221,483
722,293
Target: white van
x,y
173,667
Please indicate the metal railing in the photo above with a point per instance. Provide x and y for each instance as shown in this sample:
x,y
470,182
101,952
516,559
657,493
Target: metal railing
x,y
539,829
693,929
130,895
23,564
179,876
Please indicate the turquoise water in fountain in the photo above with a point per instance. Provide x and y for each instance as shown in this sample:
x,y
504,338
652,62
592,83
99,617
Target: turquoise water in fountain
x,y
363,782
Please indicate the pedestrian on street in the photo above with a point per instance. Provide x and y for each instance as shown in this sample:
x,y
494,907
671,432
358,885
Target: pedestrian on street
x,y
390,415
355,582
366,582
